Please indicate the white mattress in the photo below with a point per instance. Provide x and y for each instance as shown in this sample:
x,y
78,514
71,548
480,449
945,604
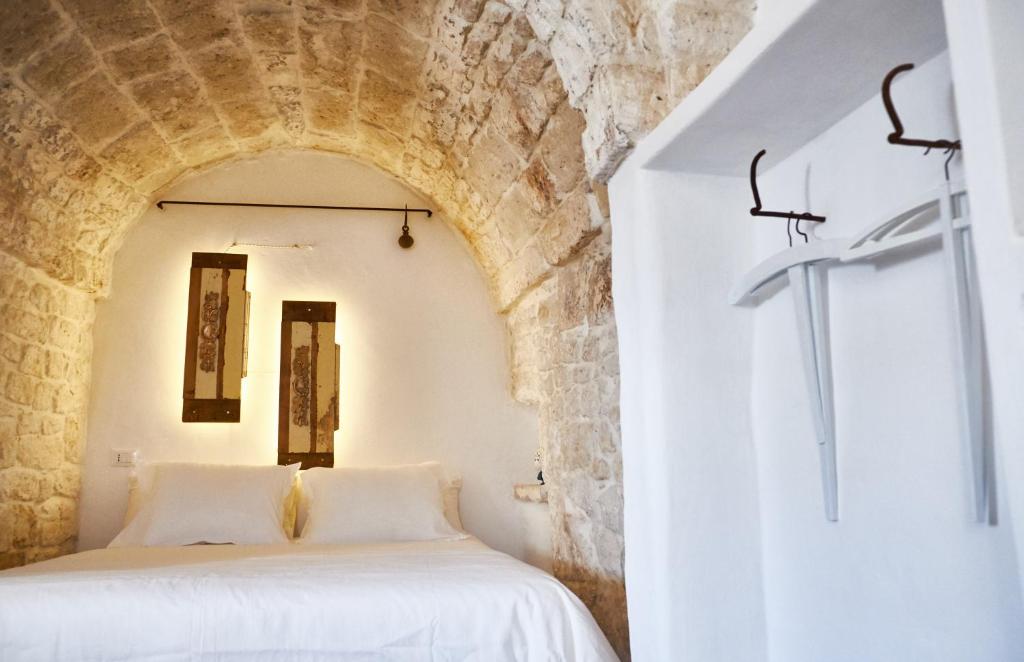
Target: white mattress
x,y
409,601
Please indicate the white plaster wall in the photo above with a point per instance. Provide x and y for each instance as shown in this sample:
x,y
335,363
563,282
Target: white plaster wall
x,y
906,573
424,370
693,575
985,39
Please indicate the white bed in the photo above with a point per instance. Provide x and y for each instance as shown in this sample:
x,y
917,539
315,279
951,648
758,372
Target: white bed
x,y
401,601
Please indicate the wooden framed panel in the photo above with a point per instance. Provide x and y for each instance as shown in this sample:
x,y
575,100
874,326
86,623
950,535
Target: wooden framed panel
x,y
216,338
310,376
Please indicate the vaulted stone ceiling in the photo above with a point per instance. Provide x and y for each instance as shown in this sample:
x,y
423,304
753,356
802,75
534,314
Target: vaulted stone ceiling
x,y
102,102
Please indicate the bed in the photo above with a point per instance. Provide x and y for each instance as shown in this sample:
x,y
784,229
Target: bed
x,y
436,600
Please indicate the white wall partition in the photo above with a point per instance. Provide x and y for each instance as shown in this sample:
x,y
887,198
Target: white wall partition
x,y
729,555
424,372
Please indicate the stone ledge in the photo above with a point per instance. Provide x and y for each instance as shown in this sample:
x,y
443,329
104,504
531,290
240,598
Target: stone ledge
x,y
533,492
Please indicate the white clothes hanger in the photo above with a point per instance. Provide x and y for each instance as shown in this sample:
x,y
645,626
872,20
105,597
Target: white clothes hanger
x,y
911,223
802,264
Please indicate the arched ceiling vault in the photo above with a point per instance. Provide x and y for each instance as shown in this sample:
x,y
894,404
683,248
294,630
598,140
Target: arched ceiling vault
x,y
102,102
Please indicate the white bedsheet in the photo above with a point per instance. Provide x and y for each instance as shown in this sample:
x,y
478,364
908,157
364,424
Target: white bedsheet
x,y
410,601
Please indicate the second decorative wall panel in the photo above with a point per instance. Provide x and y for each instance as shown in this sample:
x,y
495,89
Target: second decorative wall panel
x,y
308,405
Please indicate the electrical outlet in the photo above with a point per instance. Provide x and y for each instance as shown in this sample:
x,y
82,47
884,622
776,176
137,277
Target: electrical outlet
x,y
121,457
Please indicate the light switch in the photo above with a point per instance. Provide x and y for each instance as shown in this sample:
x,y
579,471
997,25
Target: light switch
x,y
121,457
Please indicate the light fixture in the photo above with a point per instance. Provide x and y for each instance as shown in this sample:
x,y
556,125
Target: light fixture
x,y
406,240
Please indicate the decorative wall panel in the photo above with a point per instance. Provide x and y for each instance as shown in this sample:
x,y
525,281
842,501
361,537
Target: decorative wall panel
x,y
310,374
216,338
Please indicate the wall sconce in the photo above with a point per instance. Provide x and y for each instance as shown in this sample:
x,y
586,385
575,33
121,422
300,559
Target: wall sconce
x,y
310,374
216,340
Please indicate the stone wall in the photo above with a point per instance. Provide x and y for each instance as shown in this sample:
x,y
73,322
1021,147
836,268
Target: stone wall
x,y
627,63
45,347
565,360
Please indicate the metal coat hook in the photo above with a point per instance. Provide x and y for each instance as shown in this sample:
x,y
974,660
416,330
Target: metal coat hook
x,y
790,216
896,137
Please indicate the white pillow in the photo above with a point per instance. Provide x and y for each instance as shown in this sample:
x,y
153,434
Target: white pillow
x,y
374,504
194,503
451,489
140,490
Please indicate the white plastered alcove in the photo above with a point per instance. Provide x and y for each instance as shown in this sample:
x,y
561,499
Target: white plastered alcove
x,y
728,553
424,359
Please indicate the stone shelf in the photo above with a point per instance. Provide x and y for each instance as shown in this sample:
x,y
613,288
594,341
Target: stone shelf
x,y
533,492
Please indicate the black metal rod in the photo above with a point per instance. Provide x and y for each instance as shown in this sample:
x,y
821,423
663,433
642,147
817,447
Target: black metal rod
x,y
756,209
896,137
160,204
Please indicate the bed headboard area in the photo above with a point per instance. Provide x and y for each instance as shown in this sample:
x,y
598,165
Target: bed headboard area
x,y
359,353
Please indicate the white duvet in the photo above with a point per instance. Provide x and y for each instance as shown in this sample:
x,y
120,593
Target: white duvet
x,y
409,601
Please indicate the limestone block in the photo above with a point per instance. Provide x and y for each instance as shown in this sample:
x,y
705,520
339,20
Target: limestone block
x,y
386,103
504,52
65,398
141,155
52,532
571,228
196,23
18,484
19,388
524,271
348,9
41,451
484,32
270,28
520,115
10,349
515,218
561,150
492,166
569,50
25,25
68,481
416,16
72,439
248,118
330,111
174,101
43,398
228,72
288,100
108,26
392,51
23,524
95,110
206,145
466,10
149,56
326,53
30,422
539,186
33,361
8,443
697,41
52,72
